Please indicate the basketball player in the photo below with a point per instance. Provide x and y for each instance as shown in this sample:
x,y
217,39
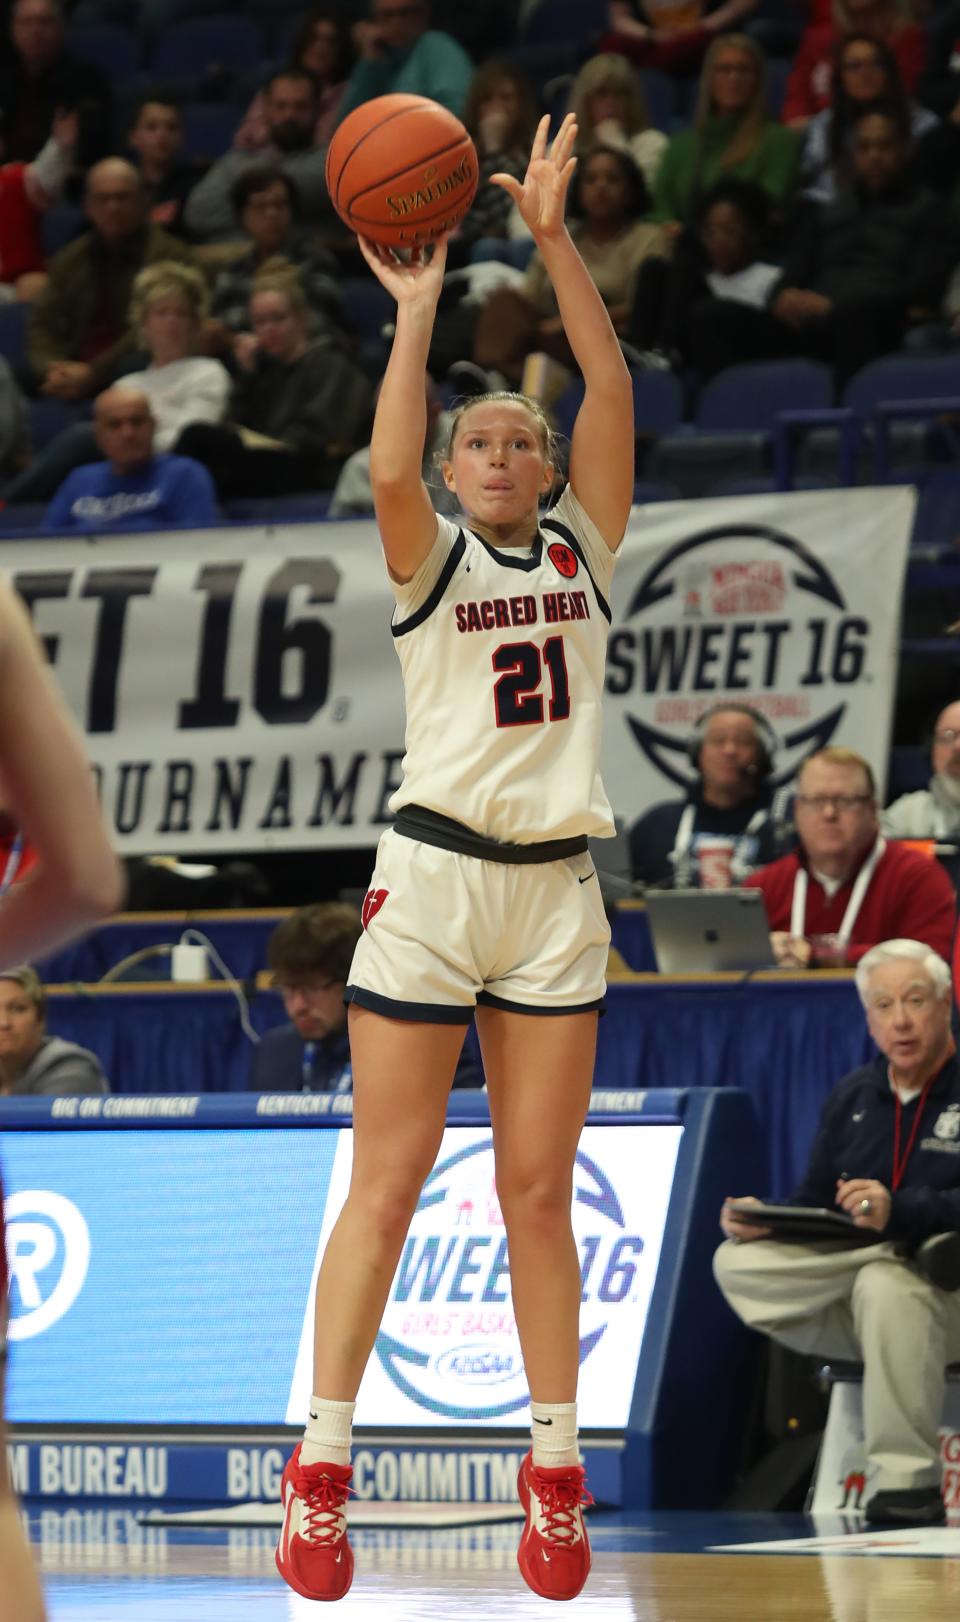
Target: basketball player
x,y
48,790
483,895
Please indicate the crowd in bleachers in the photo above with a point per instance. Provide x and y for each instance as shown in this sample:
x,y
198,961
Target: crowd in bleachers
x,y
759,180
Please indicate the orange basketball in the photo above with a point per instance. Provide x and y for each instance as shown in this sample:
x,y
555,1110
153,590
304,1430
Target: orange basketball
x,y
401,170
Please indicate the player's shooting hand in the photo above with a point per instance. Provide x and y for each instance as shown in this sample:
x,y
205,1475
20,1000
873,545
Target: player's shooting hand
x,y
541,196
417,280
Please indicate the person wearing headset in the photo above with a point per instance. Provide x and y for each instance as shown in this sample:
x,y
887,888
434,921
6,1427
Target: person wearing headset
x,y
728,825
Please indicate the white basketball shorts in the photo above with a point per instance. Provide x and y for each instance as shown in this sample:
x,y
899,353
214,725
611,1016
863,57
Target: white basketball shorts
x,y
444,932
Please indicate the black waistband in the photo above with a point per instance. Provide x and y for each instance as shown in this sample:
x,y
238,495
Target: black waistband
x,y
417,822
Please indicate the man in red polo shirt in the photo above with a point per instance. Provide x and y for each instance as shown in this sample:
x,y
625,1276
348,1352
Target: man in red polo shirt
x,y
847,888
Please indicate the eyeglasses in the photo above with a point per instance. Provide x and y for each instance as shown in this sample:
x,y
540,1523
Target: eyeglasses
x,y
948,736
840,802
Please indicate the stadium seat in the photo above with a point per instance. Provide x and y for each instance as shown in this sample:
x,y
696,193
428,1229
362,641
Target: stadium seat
x,y
766,485
369,307
192,51
561,20
114,50
60,225
13,332
25,516
657,404
646,491
310,506
47,418
903,377
208,128
748,397
937,519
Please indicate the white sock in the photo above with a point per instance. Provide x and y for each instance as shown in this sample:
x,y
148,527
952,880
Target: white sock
x,y
327,1437
554,1432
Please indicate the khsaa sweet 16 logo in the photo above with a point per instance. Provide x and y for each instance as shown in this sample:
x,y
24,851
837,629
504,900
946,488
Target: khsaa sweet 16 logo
x,y
448,1340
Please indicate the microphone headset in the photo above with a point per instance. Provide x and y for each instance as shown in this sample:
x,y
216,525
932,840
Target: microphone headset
x,y
765,735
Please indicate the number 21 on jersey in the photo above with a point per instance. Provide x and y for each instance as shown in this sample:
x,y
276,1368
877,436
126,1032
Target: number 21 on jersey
x,y
517,697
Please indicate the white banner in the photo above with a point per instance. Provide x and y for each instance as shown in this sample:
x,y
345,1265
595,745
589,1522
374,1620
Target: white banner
x,y
239,689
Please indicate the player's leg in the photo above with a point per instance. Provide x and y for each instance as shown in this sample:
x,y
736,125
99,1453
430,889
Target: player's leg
x,y
539,1073
20,1596
402,1073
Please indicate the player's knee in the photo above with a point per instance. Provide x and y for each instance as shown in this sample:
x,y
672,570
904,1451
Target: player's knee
x,y
537,1199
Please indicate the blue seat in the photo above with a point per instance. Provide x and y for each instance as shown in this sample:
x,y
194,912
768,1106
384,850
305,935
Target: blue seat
x,y
311,505
209,128
649,490
13,332
747,398
48,418
936,522
194,50
60,225
23,516
903,377
766,485
567,20
657,404
114,50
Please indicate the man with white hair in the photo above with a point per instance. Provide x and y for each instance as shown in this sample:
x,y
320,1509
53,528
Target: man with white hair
x,y
887,1152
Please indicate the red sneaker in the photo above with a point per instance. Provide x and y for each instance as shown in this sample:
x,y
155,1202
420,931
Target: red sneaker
x,y
554,1552
313,1554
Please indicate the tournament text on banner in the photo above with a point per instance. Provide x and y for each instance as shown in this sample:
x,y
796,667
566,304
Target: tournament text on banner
x,y
239,688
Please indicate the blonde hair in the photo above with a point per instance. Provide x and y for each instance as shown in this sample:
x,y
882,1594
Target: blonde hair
x,y
608,71
549,442
278,275
835,756
168,279
751,123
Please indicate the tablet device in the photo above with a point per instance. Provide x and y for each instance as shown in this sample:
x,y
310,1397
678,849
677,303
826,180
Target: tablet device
x,y
799,1222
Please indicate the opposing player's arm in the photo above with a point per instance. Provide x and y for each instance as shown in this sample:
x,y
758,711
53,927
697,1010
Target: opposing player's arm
x,y
405,515
601,455
49,790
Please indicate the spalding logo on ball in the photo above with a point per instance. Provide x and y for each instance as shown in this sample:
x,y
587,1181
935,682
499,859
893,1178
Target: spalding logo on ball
x,y
401,170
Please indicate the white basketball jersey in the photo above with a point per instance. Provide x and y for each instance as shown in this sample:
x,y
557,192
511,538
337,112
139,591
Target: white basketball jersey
x,y
503,654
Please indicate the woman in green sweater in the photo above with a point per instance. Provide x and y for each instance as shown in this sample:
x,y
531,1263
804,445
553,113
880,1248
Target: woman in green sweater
x,y
732,135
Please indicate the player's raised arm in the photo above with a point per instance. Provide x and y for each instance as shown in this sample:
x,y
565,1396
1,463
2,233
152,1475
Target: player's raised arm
x,y
49,790
405,515
601,456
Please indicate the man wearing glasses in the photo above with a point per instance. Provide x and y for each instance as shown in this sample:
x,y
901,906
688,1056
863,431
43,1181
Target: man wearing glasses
x,y
932,812
397,50
846,888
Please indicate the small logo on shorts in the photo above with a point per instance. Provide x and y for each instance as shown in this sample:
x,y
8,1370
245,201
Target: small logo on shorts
x,y
372,902
563,558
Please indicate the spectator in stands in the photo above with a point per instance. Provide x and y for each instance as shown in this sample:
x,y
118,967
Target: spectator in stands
x,y
857,272
322,47
39,77
500,115
156,139
731,135
607,201
267,207
79,335
27,190
845,888
671,35
298,410
397,50
353,493
33,1063
865,73
168,308
309,957
290,110
809,87
611,110
723,255
727,826
828,1300
932,812
133,488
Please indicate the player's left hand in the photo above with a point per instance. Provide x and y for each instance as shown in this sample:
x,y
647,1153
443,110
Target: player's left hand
x,y
856,1192
542,195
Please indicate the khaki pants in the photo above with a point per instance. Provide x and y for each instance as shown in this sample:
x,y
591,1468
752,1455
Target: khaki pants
x,y
867,1305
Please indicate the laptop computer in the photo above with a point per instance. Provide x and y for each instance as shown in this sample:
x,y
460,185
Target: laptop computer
x,y
707,931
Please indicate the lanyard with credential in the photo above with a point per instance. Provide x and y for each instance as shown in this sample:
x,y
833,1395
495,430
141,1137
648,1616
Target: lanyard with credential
x,y
13,862
900,1166
798,909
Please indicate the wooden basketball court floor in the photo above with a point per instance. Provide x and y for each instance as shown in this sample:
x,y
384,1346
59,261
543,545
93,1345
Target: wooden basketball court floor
x,y
104,1566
